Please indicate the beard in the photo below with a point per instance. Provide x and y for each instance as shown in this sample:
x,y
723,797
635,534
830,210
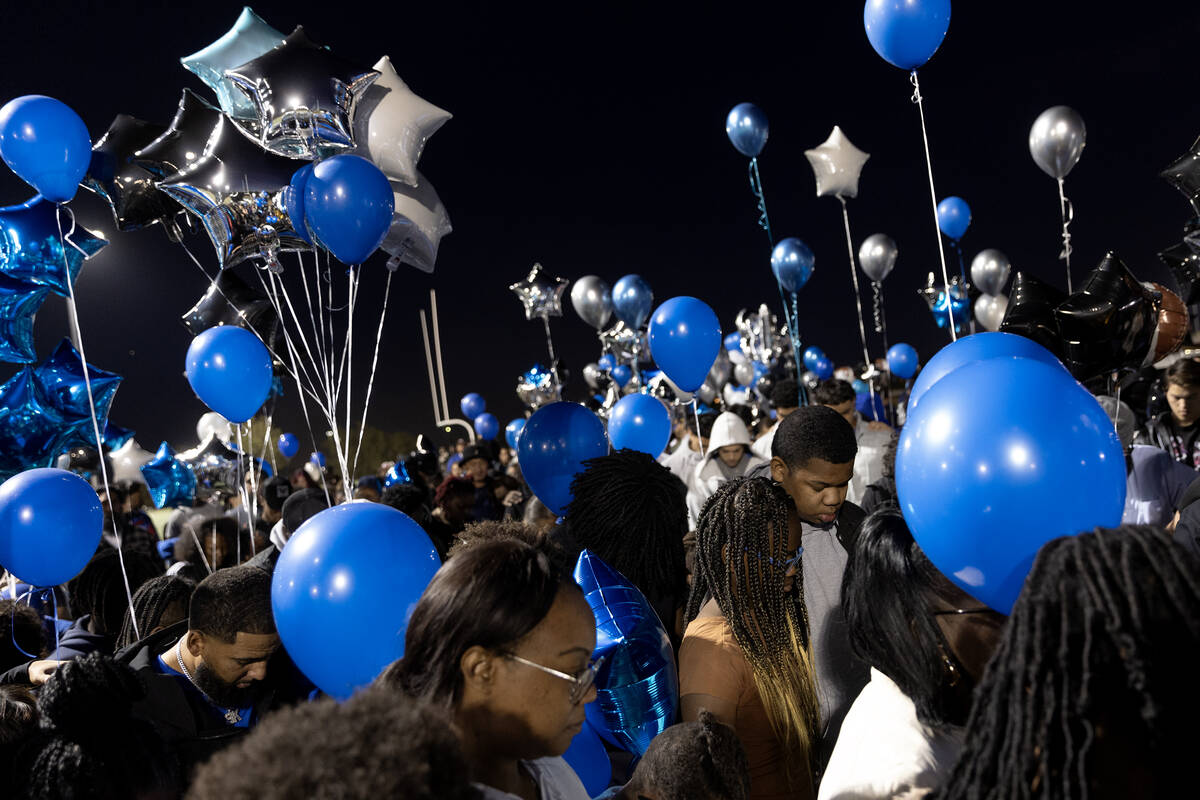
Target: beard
x,y
224,694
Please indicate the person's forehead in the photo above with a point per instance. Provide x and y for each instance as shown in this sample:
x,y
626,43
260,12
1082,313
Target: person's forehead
x,y
821,470
568,624
1180,391
249,645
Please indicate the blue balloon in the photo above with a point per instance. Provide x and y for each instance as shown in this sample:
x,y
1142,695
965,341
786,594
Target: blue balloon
x,y
746,126
487,426
685,339
812,355
512,431
987,471
621,374
46,143
607,362
792,262
556,441
19,301
636,687
346,583
170,481
640,422
472,405
906,32
977,347
289,445
823,368
587,756
860,387
954,303
249,38
632,300
50,522
34,252
954,217
318,458
871,407
229,369
293,200
902,360
733,341
348,206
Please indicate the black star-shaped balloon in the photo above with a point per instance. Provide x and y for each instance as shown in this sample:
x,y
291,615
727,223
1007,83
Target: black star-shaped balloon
x,y
184,140
129,188
1031,312
1109,323
304,96
1184,175
1183,259
540,294
231,301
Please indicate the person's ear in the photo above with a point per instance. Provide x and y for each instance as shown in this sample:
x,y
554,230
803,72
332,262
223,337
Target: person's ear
x,y
194,642
779,470
478,667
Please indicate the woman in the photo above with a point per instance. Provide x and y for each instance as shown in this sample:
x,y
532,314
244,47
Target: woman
x,y
927,642
503,640
745,654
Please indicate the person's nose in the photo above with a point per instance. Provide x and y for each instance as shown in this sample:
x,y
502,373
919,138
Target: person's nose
x,y
257,671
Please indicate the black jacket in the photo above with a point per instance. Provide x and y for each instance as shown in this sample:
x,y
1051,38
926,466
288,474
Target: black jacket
x,y
1162,432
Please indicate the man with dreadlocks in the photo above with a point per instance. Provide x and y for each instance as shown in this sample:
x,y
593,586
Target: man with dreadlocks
x,y
745,654
629,510
1092,692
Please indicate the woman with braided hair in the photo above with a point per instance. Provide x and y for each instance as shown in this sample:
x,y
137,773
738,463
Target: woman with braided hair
x,y
160,603
746,655
1092,692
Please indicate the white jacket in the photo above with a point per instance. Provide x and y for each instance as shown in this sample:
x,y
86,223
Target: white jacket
x,y
707,476
868,462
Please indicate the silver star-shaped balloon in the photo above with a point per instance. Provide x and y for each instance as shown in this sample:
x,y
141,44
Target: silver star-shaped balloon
x,y
540,294
836,164
625,343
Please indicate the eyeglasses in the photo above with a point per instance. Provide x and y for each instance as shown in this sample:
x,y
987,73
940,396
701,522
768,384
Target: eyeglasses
x,y
958,611
580,682
786,563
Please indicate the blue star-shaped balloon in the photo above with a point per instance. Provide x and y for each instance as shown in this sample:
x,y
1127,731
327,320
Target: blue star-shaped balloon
x,y
955,301
637,688
30,430
31,248
19,301
115,436
170,481
396,475
62,386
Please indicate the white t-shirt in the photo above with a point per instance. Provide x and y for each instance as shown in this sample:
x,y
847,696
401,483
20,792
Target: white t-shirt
x,y
885,751
555,781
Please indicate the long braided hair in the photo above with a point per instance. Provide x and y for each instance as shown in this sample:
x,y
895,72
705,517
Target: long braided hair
x,y
742,525
155,597
1095,674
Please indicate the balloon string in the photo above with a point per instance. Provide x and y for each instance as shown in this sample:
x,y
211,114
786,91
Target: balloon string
x,y
87,382
916,98
352,277
793,321
374,363
1068,215
696,416
756,186
554,358
318,330
12,619
862,330
249,496
962,264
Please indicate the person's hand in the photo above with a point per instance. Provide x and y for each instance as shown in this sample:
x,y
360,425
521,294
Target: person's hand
x,y
1174,521
40,671
513,498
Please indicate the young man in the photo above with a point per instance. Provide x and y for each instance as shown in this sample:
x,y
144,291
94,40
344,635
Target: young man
x,y
728,456
812,458
1176,430
691,449
207,679
492,495
872,437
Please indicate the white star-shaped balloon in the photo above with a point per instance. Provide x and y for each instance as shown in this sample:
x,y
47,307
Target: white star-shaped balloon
x,y
836,164
540,294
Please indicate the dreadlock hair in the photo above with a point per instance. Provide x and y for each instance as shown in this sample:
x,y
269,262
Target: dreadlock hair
x,y
741,539
232,600
490,595
89,745
20,629
99,590
630,511
1091,673
151,602
374,745
832,392
694,761
815,431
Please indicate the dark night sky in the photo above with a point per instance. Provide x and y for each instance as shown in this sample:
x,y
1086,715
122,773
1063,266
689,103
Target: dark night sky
x,y
591,139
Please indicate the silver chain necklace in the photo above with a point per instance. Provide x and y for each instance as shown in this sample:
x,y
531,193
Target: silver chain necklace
x,y
232,715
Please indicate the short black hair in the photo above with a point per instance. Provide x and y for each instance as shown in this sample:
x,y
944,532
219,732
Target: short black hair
x,y
150,602
691,760
302,506
231,601
18,718
786,394
275,491
99,590
1184,372
377,744
833,392
706,422
815,431
20,627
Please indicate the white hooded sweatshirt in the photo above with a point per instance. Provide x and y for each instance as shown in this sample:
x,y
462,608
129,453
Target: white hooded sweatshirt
x,y
709,474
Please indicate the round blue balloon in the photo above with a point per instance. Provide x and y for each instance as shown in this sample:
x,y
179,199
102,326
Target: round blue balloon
x,y
812,356
860,387
348,206
293,200
954,217
346,583
823,368
906,33
472,405
977,347
632,300
50,522
902,360
229,369
588,757
318,458
685,339
487,426
640,422
46,143
512,432
733,341
987,471
792,262
289,445
746,127
621,374
607,362
556,441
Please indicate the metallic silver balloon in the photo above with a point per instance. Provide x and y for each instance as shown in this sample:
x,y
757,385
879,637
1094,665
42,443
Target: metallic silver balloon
x,y
810,379
1056,140
721,370
758,333
744,373
626,344
594,376
990,310
592,299
877,255
990,270
707,394
836,164
540,294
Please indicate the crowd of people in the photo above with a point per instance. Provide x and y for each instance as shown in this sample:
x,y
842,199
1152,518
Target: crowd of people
x,y
820,653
